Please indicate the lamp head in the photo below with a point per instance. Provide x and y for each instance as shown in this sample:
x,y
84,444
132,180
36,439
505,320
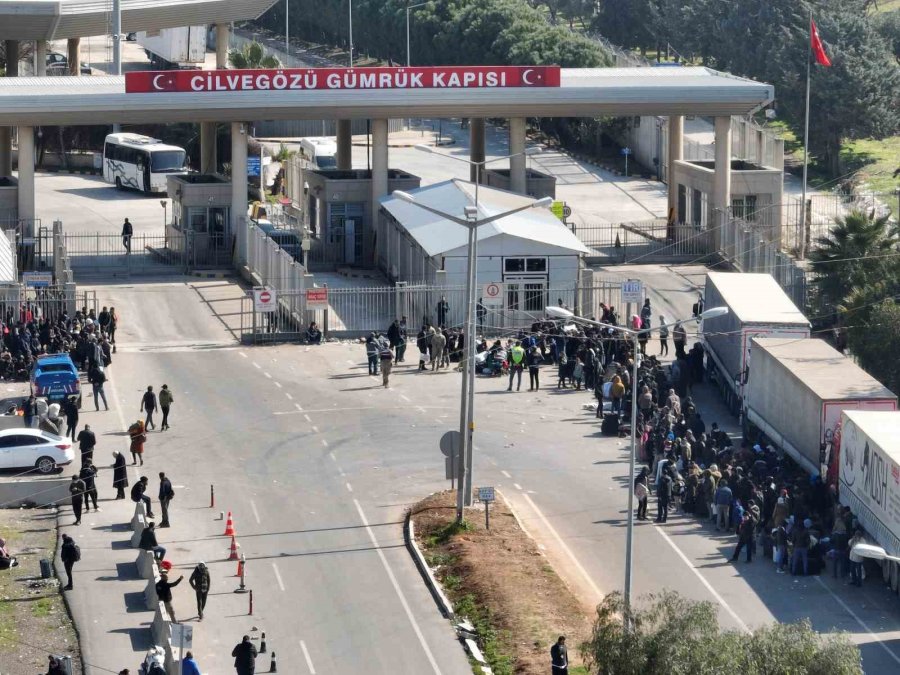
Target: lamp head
x,y
404,196
533,150
471,212
542,203
555,312
713,312
424,148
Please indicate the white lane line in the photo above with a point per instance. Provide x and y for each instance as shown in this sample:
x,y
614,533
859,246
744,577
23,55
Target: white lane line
x,y
278,576
349,487
390,573
324,442
405,398
517,486
298,407
859,621
307,417
255,512
267,375
706,584
309,664
333,458
565,548
506,473
244,355
379,408
288,394
256,365
278,384
315,428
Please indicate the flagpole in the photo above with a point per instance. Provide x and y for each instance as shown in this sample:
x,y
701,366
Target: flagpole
x,y
806,142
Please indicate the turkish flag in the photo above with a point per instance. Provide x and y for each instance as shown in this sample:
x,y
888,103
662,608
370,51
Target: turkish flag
x,y
817,47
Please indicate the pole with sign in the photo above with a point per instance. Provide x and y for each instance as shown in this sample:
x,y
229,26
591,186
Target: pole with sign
x,y
626,152
450,444
486,495
632,293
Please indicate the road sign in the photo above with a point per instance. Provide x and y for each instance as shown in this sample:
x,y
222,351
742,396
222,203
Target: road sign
x,y
253,166
37,279
485,494
492,294
626,151
264,299
316,298
632,291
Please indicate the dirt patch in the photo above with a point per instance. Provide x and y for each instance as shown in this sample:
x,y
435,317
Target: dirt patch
x,y
503,583
34,621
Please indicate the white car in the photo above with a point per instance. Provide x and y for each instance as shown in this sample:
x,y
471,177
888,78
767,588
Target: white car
x,y
24,448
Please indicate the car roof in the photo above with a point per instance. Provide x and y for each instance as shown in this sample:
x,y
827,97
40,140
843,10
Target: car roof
x,y
55,358
15,431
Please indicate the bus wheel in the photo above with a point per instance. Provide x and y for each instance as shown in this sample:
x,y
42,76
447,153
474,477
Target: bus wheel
x,y
118,183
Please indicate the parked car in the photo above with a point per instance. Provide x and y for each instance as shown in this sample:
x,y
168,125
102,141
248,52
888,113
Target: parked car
x,y
55,377
58,64
24,448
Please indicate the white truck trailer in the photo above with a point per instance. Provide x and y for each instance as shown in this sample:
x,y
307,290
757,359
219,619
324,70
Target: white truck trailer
x,y
797,390
172,48
757,307
869,480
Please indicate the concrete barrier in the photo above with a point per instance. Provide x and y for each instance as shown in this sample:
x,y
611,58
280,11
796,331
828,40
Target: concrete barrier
x,y
150,597
35,491
159,629
443,602
146,565
140,511
138,531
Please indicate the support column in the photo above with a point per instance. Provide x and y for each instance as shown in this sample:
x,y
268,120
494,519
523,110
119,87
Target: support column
x,y
208,159
26,180
40,58
518,172
222,37
476,145
675,153
344,145
74,56
379,162
12,64
722,175
239,188
12,70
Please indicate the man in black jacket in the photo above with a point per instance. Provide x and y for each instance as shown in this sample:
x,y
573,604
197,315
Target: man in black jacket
x,y
164,592
199,581
77,489
245,657
137,494
88,474
165,496
70,554
663,495
86,442
148,404
71,411
559,657
149,543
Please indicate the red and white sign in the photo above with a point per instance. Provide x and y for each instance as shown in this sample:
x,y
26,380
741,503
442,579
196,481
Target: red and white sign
x,y
300,79
316,298
492,294
264,299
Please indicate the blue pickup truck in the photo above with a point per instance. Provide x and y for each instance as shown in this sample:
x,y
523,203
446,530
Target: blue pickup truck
x,y
55,377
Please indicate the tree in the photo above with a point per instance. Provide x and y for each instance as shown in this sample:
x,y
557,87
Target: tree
x,y
888,26
250,56
854,256
876,339
673,635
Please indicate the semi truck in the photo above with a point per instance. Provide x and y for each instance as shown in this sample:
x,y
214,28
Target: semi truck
x,y
796,391
174,48
757,307
869,479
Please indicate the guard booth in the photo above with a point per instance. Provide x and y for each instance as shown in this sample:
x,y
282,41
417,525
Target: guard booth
x,y
199,232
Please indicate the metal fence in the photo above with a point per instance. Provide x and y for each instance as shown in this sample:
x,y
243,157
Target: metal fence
x,y
48,302
645,241
275,267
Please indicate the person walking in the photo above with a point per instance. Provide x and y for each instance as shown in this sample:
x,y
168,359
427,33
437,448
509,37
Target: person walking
x,y
663,337
164,592
97,378
148,542
663,497
189,665
745,538
148,404
422,346
30,412
87,441
722,500
70,409
679,338
69,553
88,474
801,538
642,492
559,657
245,657
137,494
166,493
372,353
534,369
138,438
199,581
77,490
438,344
120,474
516,365
165,403
127,234
113,324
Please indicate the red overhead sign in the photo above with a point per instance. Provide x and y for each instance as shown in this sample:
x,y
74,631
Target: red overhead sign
x,y
299,79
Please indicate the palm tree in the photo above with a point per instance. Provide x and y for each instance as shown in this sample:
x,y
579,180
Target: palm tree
x,y
853,256
252,56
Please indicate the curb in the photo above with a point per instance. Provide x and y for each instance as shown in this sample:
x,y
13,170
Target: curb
x,y
437,593
213,275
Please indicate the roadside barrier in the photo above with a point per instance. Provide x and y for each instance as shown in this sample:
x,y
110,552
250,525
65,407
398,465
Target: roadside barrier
x,y
140,511
138,531
146,565
150,597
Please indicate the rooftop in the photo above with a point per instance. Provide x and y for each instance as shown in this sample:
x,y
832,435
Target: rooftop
x,y
882,426
756,298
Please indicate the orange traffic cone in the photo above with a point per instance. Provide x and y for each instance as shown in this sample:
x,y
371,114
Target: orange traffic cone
x,y
234,555
229,526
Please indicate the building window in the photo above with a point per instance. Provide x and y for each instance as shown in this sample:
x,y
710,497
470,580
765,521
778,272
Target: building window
x,y
535,297
744,207
513,265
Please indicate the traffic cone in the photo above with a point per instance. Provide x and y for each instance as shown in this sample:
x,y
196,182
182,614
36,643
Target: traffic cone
x,y
240,568
273,666
229,526
234,555
262,643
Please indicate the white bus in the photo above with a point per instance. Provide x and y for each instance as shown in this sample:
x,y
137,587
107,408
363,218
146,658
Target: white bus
x,y
140,162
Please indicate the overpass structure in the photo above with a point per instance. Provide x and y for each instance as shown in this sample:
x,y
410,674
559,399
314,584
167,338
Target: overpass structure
x,y
241,97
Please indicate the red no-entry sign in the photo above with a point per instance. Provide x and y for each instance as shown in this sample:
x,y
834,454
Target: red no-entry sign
x,y
264,299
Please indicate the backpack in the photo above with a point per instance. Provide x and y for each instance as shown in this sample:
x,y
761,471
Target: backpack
x,y
77,550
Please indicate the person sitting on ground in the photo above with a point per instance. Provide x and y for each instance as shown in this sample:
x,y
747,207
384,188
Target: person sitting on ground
x,y
6,559
313,334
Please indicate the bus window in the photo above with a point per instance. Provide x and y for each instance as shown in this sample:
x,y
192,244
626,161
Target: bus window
x,y
166,160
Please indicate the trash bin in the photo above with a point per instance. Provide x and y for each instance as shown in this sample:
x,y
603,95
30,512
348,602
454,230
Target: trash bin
x,y
46,569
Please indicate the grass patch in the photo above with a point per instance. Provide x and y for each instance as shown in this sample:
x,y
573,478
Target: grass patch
x,y
500,661
875,162
7,626
41,607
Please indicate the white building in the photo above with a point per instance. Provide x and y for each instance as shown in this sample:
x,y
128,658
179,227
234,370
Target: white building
x,y
532,252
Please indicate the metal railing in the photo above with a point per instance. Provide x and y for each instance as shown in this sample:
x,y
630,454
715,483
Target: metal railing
x,y
49,302
645,241
274,266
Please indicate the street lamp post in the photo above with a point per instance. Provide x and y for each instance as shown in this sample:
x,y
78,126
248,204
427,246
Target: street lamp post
x,y
287,28
408,8
561,313
350,3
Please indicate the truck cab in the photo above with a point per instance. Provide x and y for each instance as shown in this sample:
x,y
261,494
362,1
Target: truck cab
x,y
55,378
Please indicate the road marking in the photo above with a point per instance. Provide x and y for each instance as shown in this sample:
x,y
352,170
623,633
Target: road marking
x,y
390,573
859,621
288,394
244,355
349,487
564,547
706,584
333,458
256,365
404,397
278,384
278,576
420,409
324,442
267,375
307,418
255,512
506,473
516,485
299,407
309,664
315,428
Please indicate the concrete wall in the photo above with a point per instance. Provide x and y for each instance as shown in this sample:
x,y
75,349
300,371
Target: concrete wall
x,y
34,491
539,184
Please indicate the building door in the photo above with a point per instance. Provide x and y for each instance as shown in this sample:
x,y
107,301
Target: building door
x,y
526,299
349,241
345,232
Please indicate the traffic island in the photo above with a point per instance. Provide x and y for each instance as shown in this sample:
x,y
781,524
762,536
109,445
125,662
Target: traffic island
x,y
505,595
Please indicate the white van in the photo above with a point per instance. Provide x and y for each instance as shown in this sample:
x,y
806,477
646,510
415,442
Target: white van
x,y
319,152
